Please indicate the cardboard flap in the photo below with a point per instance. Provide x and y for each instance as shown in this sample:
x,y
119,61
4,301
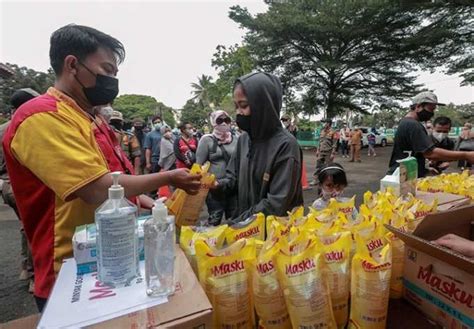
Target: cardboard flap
x,y
456,221
441,253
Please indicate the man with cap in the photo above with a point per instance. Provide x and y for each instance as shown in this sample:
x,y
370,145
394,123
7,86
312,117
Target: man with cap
x,y
128,142
327,146
412,136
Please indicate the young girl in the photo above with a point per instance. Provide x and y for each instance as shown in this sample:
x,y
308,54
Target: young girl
x,y
332,181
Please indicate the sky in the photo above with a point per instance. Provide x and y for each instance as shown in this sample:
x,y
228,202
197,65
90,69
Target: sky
x,y
168,43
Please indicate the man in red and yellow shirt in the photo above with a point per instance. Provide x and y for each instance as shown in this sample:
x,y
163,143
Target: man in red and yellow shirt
x,y
59,153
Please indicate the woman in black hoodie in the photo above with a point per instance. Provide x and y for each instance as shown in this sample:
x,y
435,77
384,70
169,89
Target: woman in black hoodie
x,y
265,170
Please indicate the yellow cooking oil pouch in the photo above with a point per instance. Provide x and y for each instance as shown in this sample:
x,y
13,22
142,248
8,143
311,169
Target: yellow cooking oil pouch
x,y
225,275
275,222
374,239
295,214
305,288
267,293
398,256
253,227
370,288
344,205
337,256
419,211
213,235
185,207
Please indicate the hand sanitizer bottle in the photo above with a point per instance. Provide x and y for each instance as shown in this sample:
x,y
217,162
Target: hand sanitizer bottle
x,y
160,239
117,238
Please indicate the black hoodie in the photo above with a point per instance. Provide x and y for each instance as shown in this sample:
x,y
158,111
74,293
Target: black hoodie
x,y
265,170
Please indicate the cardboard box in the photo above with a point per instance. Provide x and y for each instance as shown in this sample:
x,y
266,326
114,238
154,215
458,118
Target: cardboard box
x,y
189,307
446,201
438,281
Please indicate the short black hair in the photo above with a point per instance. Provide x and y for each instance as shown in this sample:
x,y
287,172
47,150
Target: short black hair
x,y
182,126
80,41
155,118
442,121
334,170
22,96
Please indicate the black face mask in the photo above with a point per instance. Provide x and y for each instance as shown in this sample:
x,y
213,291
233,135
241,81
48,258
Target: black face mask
x,y
116,124
424,115
243,121
105,89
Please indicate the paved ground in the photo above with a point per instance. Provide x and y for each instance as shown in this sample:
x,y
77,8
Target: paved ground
x,y
16,302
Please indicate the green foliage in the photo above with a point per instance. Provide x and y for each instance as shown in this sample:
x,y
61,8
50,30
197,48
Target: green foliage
x,y
23,78
339,55
231,63
307,125
459,114
143,106
195,114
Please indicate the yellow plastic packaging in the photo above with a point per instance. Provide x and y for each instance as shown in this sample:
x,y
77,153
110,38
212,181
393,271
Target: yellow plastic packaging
x,y
374,239
214,236
305,288
419,211
189,215
280,224
337,256
253,227
370,288
346,207
268,295
226,278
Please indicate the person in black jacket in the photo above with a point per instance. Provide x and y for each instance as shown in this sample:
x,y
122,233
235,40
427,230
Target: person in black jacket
x,y
265,170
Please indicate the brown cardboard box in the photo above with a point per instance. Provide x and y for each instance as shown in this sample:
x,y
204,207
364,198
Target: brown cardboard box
x,y
446,201
438,281
189,307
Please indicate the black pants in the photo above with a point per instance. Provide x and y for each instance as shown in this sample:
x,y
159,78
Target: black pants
x,y
344,148
218,206
40,303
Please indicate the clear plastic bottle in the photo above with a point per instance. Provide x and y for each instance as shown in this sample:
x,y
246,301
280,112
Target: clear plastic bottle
x,y
159,231
117,238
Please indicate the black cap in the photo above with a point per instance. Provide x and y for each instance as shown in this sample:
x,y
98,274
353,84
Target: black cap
x,y
22,96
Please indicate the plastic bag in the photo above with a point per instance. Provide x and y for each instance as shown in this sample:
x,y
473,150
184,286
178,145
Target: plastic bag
x,y
370,287
305,288
214,236
268,295
189,214
252,227
337,249
225,275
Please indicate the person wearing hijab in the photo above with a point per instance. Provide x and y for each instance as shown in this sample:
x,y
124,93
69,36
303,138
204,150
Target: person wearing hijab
x,y
218,148
265,170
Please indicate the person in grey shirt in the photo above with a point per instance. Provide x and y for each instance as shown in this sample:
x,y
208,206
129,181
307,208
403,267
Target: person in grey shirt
x,y
167,157
217,148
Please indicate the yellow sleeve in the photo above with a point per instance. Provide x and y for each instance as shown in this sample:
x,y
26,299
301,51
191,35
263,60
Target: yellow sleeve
x,y
61,152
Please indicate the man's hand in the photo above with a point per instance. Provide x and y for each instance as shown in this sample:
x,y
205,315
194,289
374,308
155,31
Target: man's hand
x,y
333,155
456,243
181,178
148,166
444,165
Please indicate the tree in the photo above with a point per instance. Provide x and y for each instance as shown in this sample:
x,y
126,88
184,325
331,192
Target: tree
x,y
195,114
202,90
143,106
459,114
339,55
23,78
230,63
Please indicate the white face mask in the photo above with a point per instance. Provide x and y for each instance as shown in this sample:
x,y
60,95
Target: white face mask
x,y
189,132
326,195
439,136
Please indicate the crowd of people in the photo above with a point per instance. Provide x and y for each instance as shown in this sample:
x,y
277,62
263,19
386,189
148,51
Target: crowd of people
x,y
257,162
